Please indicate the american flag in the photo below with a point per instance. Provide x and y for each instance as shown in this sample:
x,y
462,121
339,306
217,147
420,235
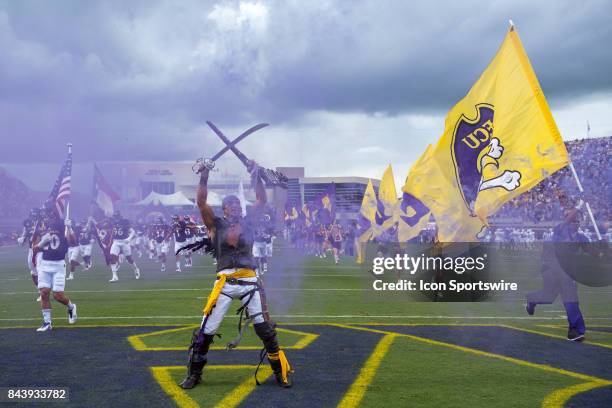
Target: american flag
x,y
61,190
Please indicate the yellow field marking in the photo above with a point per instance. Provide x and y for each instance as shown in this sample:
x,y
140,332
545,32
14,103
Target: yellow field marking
x,y
136,339
80,326
425,324
169,386
239,393
182,398
555,336
355,394
558,398
513,360
563,326
137,343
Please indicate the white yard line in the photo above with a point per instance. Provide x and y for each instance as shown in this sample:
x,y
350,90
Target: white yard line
x,y
322,317
199,290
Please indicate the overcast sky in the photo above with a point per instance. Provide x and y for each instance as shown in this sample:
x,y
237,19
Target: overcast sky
x,y
347,86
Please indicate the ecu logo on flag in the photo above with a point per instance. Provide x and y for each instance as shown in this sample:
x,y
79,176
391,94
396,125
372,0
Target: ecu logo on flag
x,y
476,153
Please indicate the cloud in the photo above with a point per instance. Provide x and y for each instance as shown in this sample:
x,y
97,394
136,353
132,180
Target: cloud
x,y
136,80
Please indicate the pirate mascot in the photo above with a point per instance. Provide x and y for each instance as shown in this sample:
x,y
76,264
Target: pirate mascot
x,y
232,239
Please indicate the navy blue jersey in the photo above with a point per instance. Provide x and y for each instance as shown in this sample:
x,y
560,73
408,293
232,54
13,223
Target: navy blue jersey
x,y
121,228
30,227
85,236
56,248
104,232
178,229
190,230
159,232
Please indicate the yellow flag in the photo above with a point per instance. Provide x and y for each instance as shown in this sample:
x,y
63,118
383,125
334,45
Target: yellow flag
x,y
306,213
367,213
366,221
499,141
412,214
385,215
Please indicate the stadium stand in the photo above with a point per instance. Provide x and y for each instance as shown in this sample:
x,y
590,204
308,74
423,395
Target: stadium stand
x,y
592,159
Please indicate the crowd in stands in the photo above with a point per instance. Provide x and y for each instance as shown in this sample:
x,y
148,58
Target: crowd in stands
x,y
592,159
14,195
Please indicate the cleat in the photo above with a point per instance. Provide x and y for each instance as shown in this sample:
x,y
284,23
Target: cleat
x,y
530,308
194,375
163,268
573,335
137,273
45,327
190,381
72,314
70,277
114,279
178,270
38,298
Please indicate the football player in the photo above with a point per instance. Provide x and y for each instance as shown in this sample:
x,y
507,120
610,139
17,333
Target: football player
x,y
262,244
336,238
191,230
84,235
180,238
73,249
160,232
52,268
122,236
86,239
138,242
32,228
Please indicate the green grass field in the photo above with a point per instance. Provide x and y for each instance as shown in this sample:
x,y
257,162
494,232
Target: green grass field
x,y
350,345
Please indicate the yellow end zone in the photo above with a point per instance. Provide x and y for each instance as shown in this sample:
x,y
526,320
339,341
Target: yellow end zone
x,y
556,399
181,397
137,340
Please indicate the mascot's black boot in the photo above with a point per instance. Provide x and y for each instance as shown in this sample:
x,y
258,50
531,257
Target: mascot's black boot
x,y
200,343
194,375
281,368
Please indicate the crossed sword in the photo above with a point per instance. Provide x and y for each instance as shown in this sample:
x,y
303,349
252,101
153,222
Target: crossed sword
x,y
269,176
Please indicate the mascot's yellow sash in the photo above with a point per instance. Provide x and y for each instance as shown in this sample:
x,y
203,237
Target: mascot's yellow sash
x,y
221,278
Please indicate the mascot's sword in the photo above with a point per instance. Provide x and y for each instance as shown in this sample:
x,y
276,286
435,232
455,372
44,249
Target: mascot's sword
x,y
271,177
234,142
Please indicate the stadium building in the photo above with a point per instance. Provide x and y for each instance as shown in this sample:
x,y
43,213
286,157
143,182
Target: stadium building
x,y
136,180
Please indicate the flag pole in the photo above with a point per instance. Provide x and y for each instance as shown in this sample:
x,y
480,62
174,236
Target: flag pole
x,y
588,207
68,203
